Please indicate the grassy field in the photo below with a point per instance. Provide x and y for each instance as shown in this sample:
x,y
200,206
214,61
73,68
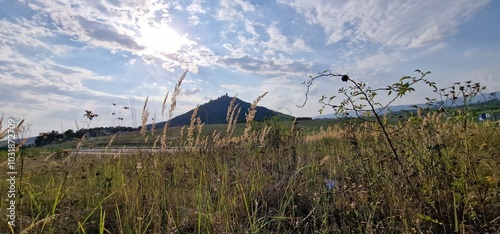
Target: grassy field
x,y
427,172
279,177
135,139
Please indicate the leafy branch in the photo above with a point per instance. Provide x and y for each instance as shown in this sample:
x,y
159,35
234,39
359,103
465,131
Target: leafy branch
x,y
361,99
359,91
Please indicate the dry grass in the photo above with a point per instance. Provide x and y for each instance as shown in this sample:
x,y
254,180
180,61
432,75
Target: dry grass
x,y
243,187
3,132
251,115
145,117
270,178
190,130
173,103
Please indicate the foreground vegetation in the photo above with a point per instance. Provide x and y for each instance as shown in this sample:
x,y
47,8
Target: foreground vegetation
x,y
438,172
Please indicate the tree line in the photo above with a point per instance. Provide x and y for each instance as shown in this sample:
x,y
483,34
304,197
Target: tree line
x,y
55,137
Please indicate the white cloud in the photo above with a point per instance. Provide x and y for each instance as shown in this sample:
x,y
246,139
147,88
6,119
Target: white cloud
x,y
279,80
227,13
233,9
436,47
193,91
194,20
246,6
268,65
375,63
28,34
131,62
232,87
196,7
402,23
300,45
284,94
138,27
249,27
279,42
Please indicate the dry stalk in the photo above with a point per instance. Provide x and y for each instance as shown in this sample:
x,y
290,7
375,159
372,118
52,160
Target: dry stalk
x,y
232,120
230,113
3,133
164,105
173,103
263,136
199,127
145,116
251,115
190,133
235,120
156,141
294,123
110,142
38,223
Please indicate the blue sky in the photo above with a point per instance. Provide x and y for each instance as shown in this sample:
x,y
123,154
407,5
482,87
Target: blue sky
x,y
61,57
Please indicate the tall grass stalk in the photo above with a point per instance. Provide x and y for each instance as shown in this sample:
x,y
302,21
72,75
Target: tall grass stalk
x,y
173,103
145,117
190,130
251,115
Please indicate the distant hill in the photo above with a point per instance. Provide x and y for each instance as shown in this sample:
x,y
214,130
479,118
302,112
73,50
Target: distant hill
x,y
480,101
215,111
30,141
391,108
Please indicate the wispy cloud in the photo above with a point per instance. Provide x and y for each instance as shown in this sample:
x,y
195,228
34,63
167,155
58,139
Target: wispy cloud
x,y
280,43
192,91
233,9
268,65
403,24
196,7
127,26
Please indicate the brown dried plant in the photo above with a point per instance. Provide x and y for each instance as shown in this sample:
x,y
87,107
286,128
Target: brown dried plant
x,y
173,103
110,142
235,120
190,133
145,116
230,112
199,127
263,136
251,115
3,133
164,105
230,109
231,124
156,141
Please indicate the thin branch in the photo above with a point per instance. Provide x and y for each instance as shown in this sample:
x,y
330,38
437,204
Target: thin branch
x,y
308,83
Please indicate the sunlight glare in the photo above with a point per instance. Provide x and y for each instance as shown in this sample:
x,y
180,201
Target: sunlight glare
x,y
162,39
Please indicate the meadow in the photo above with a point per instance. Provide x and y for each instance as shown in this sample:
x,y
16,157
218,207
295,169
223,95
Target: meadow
x,y
431,171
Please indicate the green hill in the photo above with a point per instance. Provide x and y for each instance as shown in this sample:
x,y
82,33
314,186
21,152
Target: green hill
x,y
215,111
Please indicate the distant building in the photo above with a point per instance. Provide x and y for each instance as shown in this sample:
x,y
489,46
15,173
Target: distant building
x,y
483,117
488,116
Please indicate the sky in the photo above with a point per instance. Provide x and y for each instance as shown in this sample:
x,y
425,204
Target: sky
x,y
59,58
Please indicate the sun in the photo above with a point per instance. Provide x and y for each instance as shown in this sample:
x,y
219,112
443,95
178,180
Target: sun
x,y
162,39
